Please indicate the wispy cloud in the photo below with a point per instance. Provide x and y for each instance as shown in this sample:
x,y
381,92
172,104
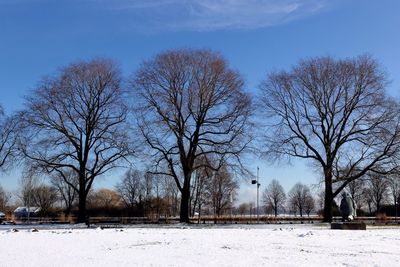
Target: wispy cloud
x,y
192,15
211,15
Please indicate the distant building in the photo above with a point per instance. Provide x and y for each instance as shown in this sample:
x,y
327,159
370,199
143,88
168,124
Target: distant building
x,y
23,212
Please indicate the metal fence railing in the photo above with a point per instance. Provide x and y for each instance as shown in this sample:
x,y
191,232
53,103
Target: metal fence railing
x,y
198,220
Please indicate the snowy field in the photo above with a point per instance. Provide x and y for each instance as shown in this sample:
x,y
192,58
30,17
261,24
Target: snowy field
x,y
266,245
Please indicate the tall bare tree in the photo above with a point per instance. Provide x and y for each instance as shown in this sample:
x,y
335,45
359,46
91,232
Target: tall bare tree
x,y
274,196
378,187
309,204
193,105
75,121
356,190
368,198
44,197
171,196
298,198
8,138
394,187
334,113
221,191
198,192
130,188
30,179
67,193
4,199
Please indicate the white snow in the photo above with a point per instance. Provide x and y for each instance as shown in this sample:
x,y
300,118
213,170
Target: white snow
x,y
278,245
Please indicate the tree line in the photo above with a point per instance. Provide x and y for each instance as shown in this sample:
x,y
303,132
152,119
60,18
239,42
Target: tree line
x,y
137,194
373,194
143,194
186,115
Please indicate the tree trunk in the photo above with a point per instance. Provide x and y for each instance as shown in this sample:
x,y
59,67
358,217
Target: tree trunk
x,y
82,208
185,198
328,198
198,221
67,211
82,199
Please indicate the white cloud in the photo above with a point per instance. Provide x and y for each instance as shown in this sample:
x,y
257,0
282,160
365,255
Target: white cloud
x,y
210,15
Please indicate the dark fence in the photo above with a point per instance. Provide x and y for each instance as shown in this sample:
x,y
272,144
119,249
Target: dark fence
x,y
114,221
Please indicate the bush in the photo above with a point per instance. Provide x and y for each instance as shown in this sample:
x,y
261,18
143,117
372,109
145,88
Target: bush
x,y
381,217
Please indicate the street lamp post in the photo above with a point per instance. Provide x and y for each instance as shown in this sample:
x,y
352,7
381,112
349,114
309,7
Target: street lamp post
x,y
258,186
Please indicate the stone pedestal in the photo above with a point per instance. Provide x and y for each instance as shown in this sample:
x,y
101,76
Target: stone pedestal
x,y
348,226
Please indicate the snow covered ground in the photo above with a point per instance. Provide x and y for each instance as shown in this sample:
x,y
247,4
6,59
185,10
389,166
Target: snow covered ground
x,y
266,245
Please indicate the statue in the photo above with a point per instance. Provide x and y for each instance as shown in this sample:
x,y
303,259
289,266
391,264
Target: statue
x,y
347,207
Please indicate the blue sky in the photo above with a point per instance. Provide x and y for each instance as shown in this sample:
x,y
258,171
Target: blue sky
x,y
256,36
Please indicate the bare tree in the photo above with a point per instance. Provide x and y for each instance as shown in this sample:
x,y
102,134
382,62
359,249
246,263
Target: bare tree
x,y
44,197
105,198
66,192
320,201
198,194
394,187
334,113
130,188
28,181
159,203
309,204
243,208
298,197
148,186
192,106
356,190
4,199
378,189
8,138
221,191
171,196
368,198
75,122
274,196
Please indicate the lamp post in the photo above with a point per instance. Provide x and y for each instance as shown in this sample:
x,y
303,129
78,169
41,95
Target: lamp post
x,y
258,186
